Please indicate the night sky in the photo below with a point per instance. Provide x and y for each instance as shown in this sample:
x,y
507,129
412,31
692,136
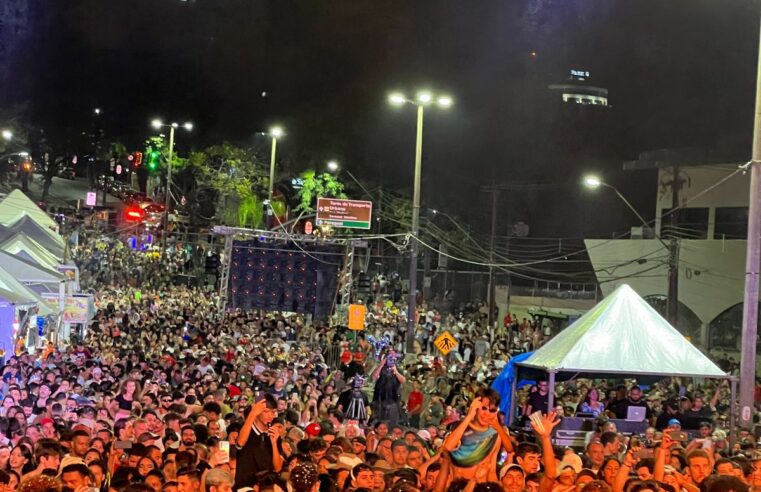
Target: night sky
x,y
680,73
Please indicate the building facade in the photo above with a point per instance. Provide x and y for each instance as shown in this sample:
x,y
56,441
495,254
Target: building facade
x,y
711,228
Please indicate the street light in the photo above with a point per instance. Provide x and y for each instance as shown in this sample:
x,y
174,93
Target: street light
x,y
97,111
334,167
672,300
7,135
275,132
158,124
592,182
424,98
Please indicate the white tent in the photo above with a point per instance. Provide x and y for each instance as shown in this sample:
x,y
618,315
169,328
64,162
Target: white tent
x,y
17,205
622,335
16,292
32,230
29,272
22,245
46,237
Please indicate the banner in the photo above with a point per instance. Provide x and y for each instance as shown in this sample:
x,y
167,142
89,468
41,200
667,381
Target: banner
x,y
76,310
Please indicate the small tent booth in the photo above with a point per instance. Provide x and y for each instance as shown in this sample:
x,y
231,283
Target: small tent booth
x,y
624,337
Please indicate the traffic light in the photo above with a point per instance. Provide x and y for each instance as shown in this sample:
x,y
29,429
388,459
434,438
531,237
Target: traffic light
x,y
153,160
136,159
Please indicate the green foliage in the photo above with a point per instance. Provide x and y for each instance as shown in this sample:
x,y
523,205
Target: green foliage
x,y
324,185
15,118
237,178
250,212
114,150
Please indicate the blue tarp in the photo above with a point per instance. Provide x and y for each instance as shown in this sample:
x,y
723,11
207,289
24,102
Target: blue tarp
x,y
504,382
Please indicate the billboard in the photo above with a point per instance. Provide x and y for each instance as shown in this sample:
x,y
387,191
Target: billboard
x,y
77,309
352,214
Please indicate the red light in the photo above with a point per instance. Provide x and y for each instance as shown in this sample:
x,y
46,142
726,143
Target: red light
x,y
134,214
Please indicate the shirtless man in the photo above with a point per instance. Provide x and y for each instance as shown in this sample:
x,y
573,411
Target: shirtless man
x,y
478,438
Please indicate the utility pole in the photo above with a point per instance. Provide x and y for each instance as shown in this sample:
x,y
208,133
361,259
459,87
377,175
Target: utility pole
x,y
412,291
168,195
492,293
752,255
672,305
660,160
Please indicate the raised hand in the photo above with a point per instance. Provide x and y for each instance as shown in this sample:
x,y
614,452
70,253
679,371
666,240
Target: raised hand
x,y
474,406
546,423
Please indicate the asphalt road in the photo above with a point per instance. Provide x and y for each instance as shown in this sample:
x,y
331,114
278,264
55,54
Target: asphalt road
x,y
63,192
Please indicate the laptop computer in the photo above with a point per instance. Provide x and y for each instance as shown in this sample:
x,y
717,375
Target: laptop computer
x,y
636,414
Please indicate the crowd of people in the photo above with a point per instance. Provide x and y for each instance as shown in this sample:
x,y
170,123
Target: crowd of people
x,y
163,392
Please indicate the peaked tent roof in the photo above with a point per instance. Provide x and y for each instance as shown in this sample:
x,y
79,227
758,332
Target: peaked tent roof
x,y
16,205
622,334
27,271
9,284
48,239
22,245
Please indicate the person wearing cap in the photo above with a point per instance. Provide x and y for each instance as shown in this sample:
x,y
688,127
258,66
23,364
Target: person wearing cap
x,y
360,446
217,480
674,426
670,411
344,465
513,478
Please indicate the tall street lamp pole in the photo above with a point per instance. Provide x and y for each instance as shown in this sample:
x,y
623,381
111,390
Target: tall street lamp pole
x,y
752,256
423,99
157,124
275,132
672,299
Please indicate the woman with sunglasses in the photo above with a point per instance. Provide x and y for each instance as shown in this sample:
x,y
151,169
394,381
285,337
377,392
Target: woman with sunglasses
x,y
478,438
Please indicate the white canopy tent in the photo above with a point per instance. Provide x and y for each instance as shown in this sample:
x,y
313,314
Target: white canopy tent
x,y
28,272
621,336
16,205
22,245
21,294
50,240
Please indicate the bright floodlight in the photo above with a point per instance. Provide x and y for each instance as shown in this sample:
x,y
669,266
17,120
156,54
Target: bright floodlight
x,y
96,110
592,181
424,97
397,98
175,125
24,154
444,101
156,124
188,126
7,134
276,131
333,166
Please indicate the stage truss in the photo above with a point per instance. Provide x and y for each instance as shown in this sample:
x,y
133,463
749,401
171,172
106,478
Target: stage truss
x,y
345,274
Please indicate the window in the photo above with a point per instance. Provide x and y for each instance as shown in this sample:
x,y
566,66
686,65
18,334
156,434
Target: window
x,y
691,223
731,223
